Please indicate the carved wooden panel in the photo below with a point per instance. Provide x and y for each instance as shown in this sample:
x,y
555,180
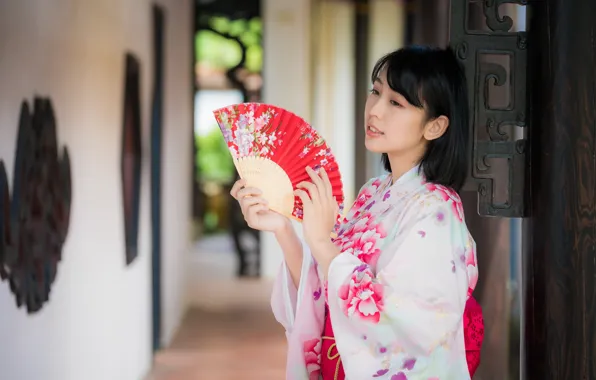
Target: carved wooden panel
x,y
34,220
495,61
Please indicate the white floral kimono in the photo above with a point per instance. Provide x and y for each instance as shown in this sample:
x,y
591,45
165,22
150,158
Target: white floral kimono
x,y
396,293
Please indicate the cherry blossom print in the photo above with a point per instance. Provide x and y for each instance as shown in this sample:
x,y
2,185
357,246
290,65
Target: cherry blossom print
x,y
473,279
363,197
317,294
409,364
246,134
449,195
387,195
381,372
460,253
312,358
363,298
471,257
439,217
360,239
381,350
399,376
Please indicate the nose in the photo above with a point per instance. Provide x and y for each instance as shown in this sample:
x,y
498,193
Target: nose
x,y
376,108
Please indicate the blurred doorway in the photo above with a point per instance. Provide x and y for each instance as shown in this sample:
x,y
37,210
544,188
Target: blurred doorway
x,y
228,69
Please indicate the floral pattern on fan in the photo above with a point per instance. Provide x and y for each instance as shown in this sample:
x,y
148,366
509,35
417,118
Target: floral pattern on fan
x,y
246,134
262,130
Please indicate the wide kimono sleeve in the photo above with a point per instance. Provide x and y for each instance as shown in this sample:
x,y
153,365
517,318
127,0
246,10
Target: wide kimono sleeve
x,y
405,322
301,311
286,299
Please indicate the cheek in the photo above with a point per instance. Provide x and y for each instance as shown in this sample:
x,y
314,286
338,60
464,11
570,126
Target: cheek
x,y
405,130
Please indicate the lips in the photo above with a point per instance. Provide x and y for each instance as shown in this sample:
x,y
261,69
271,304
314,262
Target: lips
x,y
372,129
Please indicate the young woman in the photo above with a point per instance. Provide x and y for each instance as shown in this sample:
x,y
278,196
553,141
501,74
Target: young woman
x,y
390,296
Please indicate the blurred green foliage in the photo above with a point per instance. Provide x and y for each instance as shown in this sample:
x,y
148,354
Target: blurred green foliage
x,y
217,51
214,162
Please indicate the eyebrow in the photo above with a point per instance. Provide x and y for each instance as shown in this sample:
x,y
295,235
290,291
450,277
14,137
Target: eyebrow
x,y
377,79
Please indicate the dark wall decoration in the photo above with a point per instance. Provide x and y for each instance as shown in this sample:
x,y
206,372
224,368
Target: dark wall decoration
x,y
34,221
131,155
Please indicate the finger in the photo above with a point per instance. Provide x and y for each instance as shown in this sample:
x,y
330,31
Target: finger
x,y
312,190
248,192
316,180
304,197
326,183
247,202
256,208
250,201
237,186
251,216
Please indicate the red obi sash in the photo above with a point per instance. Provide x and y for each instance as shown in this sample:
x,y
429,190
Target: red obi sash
x,y
332,368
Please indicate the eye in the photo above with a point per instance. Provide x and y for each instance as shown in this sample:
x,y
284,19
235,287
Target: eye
x,y
395,103
374,92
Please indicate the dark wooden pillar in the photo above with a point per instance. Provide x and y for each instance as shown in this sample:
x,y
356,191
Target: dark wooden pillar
x,y
431,22
362,84
560,236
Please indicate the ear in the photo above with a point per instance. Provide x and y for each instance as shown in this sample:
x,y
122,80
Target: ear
x,y
436,128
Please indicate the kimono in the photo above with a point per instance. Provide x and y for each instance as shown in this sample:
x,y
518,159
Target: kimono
x,y
396,293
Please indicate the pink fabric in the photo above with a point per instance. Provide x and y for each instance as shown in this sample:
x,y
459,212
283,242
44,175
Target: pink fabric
x,y
329,351
473,333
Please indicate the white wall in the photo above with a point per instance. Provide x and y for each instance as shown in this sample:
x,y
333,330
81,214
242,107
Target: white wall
x,y
177,164
287,79
386,33
97,325
333,96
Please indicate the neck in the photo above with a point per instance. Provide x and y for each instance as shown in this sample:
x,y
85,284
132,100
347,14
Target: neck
x,y
401,164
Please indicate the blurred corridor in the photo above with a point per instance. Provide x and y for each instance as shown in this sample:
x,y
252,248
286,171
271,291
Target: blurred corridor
x,y
229,331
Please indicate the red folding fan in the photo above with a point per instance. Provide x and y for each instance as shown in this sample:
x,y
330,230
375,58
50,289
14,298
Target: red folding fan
x,y
271,148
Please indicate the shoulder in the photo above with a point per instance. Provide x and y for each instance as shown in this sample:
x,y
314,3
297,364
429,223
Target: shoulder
x,y
367,191
374,183
431,199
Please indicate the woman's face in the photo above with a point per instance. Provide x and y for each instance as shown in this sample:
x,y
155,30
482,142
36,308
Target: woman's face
x,y
394,126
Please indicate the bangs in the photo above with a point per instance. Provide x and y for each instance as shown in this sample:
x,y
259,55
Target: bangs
x,y
406,74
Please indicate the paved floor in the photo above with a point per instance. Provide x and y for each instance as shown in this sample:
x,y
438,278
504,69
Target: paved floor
x,y
229,331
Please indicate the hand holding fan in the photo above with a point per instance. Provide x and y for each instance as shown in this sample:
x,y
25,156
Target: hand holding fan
x,y
271,148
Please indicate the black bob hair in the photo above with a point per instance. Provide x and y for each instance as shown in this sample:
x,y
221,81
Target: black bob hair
x,y
432,78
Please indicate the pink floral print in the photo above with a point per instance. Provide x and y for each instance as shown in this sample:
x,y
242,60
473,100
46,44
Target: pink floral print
x,y
449,195
362,298
360,239
312,358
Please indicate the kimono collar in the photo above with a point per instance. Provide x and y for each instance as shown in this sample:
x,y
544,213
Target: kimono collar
x,y
413,173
